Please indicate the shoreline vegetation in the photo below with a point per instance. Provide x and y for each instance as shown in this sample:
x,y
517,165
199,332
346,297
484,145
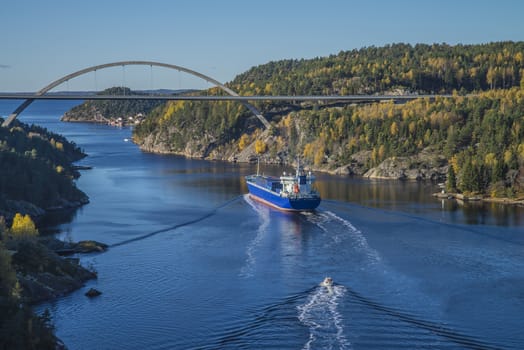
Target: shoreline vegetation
x,y
460,197
473,140
32,270
37,176
114,113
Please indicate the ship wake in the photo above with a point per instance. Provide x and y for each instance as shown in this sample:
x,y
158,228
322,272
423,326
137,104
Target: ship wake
x,y
248,269
202,217
340,231
325,323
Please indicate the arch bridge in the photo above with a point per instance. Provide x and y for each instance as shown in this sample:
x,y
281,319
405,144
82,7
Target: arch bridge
x,y
41,93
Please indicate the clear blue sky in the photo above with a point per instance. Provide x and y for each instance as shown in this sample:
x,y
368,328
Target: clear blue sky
x,y
44,40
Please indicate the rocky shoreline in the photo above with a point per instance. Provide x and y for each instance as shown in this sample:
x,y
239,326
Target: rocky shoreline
x,y
428,165
44,274
423,166
23,207
460,197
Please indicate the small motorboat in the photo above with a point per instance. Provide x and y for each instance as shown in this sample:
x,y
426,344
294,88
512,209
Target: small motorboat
x,y
327,282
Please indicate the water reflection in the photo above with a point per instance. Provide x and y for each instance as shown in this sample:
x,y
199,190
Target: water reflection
x,y
373,192
50,223
481,213
416,197
184,178
291,224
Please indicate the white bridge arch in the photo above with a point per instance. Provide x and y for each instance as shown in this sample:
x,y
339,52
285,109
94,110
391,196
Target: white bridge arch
x,y
62,80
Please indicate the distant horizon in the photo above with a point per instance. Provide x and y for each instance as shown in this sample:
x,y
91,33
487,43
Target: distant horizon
x,y
223,39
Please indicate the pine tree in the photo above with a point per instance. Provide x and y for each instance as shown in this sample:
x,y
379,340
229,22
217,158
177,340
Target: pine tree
x,y
8,279
451,183
468,178
3,228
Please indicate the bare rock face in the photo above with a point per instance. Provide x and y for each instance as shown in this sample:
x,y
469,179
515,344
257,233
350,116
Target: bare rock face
x,y
168,141
44,275
427,165
357,165
155,144
391,168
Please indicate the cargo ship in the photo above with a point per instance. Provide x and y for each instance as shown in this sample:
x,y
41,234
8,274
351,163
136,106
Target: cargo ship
x,y
287,192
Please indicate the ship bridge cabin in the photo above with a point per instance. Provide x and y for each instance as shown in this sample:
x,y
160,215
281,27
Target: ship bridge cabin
x,y
300,183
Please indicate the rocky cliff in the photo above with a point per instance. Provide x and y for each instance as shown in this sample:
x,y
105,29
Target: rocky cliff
x,y
44,275
426,165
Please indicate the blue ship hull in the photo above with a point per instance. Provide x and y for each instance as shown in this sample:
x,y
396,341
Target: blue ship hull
x,y
291,203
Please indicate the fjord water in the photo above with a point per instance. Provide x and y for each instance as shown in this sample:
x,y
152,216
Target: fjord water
x,y
195,263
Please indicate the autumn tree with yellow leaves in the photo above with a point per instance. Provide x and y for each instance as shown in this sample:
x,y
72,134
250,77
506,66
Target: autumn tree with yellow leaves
x,y
260,147
23,227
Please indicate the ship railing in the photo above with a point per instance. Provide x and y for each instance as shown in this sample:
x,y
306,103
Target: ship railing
x,y
312,194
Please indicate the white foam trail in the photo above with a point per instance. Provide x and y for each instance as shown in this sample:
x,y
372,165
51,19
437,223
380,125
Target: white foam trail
x,y
325,323
405,289
318,219
247,270
357,237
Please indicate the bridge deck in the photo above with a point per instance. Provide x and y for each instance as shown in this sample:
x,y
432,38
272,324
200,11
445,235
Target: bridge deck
x,y
347,98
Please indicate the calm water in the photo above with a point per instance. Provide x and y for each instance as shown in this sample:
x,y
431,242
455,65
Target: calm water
x,y
195,264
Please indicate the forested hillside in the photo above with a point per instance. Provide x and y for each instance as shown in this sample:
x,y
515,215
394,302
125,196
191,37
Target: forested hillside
x,y
437,68
480,134
35,174
36,171
193,128
106,111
